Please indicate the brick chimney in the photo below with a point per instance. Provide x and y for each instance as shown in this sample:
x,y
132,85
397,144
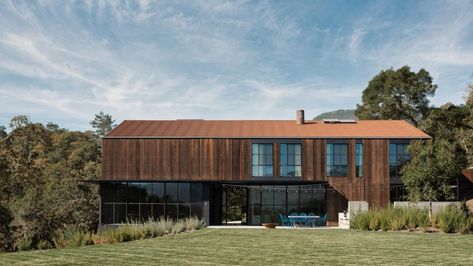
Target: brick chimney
x,y
300,120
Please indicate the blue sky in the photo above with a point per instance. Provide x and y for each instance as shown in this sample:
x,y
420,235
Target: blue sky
x,y
65,61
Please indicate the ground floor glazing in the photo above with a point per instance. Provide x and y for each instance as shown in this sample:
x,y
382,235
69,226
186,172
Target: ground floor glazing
x,y
216,203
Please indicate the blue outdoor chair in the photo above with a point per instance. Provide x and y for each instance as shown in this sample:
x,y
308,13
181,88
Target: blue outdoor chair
x,y
302,221
311,221
284,220
292,220
322,220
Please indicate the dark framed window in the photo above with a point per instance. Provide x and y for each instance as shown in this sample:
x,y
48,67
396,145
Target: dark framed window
x,y
184,192
290,160
136,192
262,159
139,201
337,159
171,193
158,193
398,156
268,202
359,159
196,192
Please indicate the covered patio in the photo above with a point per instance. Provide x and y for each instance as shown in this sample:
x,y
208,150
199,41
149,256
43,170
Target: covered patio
x,y
286,204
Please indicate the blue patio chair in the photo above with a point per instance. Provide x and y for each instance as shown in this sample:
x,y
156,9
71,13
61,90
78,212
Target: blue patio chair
x,y
311,221
322,220
302,221
293,220
285,221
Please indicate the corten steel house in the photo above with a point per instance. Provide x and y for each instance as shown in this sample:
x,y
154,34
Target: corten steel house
x,y
180,168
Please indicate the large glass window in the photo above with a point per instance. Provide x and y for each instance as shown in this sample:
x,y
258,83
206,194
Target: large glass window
x,y
122,201
171,193
158,193
262,159
267,202
398,156
184,192
359,159
337,159
290,160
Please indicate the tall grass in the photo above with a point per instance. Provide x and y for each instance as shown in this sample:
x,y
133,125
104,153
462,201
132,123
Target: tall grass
x,y
71,236
24,244
449,220
149,229
454,219
390,219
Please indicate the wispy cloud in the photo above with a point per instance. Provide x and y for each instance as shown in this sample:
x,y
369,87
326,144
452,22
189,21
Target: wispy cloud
x,y
216,59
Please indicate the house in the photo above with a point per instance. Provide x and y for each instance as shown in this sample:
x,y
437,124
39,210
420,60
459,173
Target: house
x,y
178,168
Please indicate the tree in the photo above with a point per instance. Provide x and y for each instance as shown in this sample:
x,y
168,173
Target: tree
x,y
5,230
44,174
52,126
19,121
397,94
466,138
432,165
102,123
3,133
447,122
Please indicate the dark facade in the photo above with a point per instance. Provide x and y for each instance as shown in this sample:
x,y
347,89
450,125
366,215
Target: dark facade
x,y
250,170
180,177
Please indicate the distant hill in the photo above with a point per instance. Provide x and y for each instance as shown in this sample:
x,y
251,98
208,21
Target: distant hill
x,y
339,114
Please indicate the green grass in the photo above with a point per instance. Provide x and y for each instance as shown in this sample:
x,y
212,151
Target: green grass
x,y
265,247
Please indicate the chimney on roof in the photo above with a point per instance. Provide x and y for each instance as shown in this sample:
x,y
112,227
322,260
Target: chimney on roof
x,y
300,117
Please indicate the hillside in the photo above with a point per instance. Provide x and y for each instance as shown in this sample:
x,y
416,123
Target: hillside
x,y
339,114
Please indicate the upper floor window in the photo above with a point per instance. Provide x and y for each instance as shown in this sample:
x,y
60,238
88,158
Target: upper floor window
x,y
359,159
398,156
262,159
337,159
290,160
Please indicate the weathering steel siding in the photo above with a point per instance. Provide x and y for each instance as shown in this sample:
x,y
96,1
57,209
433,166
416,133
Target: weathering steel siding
x,y
230,160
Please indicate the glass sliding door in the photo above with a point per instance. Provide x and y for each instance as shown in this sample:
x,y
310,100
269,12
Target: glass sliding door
x,y
267,202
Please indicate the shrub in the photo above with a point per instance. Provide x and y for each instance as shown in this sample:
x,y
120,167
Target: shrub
x,y
453,219
374,220
467,226
416,217
178,227
165,225
71,236
193,223
24,244
360,220
149,229
391,219
44,244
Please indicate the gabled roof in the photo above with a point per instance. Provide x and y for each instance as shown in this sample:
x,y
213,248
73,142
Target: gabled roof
x,y
391,129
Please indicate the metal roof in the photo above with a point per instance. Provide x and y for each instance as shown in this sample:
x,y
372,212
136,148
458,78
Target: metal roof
x,y
198,128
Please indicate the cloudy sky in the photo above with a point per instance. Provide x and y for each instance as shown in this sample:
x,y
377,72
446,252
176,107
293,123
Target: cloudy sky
x,y
64,62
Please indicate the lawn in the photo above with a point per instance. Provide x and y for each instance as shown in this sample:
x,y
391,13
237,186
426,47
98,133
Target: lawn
x,y
265,247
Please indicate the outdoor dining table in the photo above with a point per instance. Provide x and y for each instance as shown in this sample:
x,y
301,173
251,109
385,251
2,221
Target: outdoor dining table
x,y
295,218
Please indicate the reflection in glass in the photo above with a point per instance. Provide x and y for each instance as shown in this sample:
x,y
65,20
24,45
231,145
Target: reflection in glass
x,y
262,159
290,160
337,159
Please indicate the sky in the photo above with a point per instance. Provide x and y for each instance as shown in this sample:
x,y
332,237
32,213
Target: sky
x,y
64,61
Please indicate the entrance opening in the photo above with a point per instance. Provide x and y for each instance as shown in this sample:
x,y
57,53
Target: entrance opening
x,y
266,203
243,204
234,205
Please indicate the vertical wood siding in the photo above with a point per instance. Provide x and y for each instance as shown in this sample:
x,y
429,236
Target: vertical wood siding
x,y
230,160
